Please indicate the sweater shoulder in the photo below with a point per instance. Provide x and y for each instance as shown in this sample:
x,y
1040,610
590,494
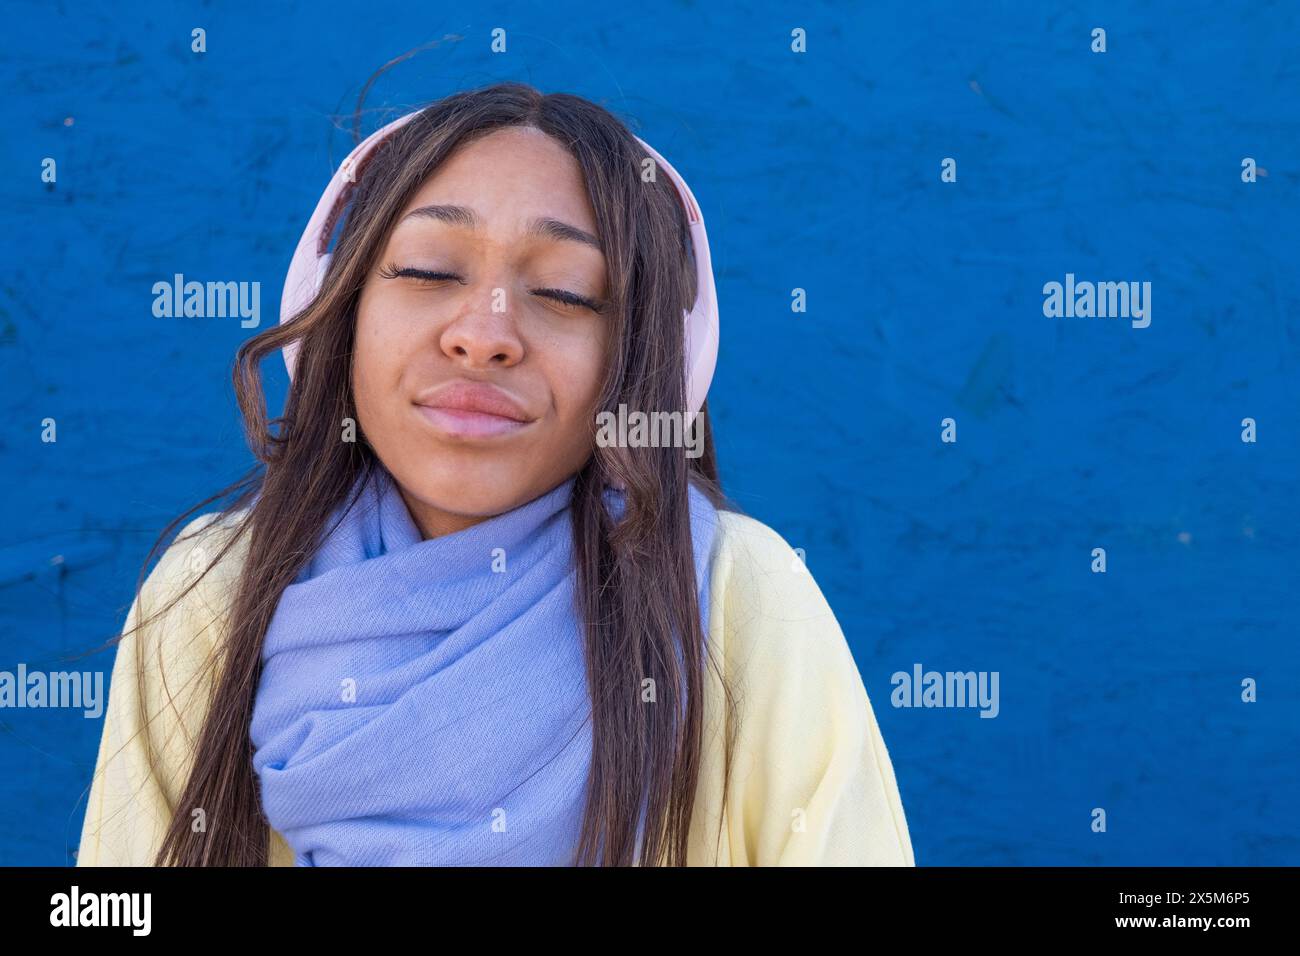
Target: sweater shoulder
x,y
195,581
807,738
757,572
200,542
755,545
159,694
776,627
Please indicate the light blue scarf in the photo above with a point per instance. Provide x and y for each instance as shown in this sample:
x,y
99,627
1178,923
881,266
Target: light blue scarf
x,y
424,702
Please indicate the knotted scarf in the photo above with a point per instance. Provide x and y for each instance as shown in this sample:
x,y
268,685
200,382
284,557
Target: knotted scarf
x,y
425,702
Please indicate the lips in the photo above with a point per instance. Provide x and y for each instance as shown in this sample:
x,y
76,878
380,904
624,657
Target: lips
x,y
470,410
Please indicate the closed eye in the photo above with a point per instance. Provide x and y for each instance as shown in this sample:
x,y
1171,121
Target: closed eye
x,y
563,296
423,275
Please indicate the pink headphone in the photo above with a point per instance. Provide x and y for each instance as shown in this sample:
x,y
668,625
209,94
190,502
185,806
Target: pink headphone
x,y
311,259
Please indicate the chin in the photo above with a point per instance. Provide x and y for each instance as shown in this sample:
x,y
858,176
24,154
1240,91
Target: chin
x,y
477,489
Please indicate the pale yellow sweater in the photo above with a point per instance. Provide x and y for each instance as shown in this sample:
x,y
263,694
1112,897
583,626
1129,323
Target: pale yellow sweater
x,y
812,783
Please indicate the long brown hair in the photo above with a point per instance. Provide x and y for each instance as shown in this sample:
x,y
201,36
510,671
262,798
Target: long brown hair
x,y
636,590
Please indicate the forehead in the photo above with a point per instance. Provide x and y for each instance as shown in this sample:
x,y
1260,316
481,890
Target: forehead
x,y
511,175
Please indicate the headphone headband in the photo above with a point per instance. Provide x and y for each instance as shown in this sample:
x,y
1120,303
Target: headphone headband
x,y
311,260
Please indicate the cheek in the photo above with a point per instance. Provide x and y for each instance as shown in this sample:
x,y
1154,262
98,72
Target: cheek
x,y
576,376
375,361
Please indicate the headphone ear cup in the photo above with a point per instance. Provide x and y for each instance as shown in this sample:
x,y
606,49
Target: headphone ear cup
x,y
702,318
307,268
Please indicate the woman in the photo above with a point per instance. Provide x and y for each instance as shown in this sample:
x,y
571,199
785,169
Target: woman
x,y
441,623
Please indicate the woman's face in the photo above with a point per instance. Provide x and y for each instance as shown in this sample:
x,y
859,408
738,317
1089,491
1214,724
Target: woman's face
x,y
479,354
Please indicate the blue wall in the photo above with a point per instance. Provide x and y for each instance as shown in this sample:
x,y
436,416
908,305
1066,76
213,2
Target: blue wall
x,y
819,171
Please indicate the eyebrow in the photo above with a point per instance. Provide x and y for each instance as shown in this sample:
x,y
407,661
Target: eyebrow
x,y
543,226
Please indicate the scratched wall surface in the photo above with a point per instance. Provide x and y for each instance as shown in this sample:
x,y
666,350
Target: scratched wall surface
x,y
818,171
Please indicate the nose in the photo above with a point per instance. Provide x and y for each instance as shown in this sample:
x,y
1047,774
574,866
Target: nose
x,y
483,335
